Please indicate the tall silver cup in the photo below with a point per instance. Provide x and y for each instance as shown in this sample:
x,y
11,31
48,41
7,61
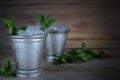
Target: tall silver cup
x,y
27,52
56,41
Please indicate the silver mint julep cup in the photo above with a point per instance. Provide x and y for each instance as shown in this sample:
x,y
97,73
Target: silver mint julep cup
x,y
56,41
27,53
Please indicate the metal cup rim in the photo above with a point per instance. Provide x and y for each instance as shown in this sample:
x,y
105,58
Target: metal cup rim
x,y
27,37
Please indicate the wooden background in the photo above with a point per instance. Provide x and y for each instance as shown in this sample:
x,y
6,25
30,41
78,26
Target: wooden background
x,y
95,22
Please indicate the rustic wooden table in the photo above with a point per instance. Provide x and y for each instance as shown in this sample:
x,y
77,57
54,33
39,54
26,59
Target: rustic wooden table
x,y
94,70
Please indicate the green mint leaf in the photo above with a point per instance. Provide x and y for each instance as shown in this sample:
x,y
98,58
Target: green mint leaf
x,y
6,70
50,22
22,28
72,52
58,60
74,58
41,18
9,65
84,46
8,74
14,31
85,57
47,19
9,25
103,55
99,54
45,22
94,54
11,28
3,70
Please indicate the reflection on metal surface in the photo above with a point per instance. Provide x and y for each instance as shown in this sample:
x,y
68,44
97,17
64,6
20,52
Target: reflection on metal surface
x,y
27,52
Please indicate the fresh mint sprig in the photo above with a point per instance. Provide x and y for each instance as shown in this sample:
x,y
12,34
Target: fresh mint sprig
x,y
45,21
22,28
6,70
82,55
11,27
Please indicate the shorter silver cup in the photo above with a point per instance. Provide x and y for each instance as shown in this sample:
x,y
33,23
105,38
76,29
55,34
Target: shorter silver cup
x,y
56,41
27,52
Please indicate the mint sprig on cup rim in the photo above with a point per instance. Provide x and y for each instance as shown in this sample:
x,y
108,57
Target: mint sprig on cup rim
x,y
11,27
45,21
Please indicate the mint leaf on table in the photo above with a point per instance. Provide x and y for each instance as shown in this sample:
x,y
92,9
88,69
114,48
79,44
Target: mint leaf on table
x,y
100,54
82,55
6,70
8,74
84,46
103,55
45,22
73,55
58,60
85,57
2,70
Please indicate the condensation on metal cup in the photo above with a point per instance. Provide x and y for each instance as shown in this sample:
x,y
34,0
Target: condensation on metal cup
x,y
56,42
27,53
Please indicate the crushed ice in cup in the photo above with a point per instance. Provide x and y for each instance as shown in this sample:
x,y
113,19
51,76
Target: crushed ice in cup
x,y
21,33
59,27
30,31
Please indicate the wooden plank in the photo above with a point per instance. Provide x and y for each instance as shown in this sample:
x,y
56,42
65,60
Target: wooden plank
x,y
54,10
53,1
94,43
91,36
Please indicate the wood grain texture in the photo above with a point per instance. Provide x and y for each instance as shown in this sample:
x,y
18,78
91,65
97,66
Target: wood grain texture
x,y
95,22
